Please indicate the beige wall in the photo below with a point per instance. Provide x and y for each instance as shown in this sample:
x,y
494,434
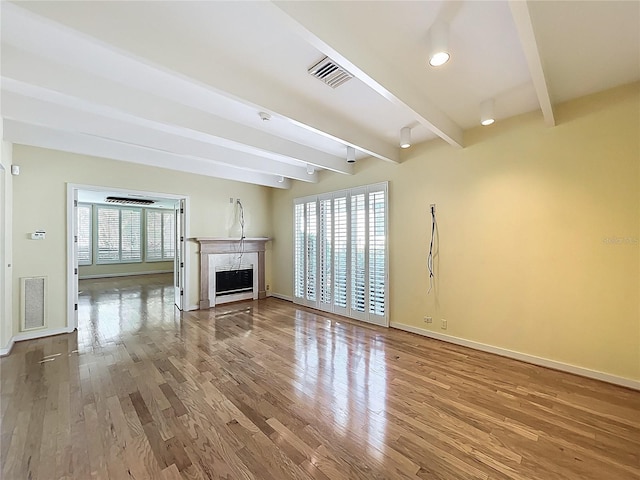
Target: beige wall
x,y
40,203
6,202
538,233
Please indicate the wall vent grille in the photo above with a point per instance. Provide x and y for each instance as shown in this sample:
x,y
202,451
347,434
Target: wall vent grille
x,y
329,72
33,302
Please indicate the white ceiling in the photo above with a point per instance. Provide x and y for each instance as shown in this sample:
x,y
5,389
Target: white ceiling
x,y
179,84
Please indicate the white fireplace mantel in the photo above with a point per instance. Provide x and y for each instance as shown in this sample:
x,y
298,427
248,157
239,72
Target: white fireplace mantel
x,y
216,246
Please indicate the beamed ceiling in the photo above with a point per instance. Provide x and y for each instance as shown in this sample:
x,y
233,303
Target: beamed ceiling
x,y
180,85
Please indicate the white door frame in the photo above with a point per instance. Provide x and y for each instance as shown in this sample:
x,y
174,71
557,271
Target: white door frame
x,y
72,278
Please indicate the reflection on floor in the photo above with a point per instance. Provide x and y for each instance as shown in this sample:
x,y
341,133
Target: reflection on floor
x,y
266,390
111,307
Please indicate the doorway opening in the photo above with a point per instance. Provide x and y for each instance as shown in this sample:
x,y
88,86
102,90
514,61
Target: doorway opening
x,y
124,243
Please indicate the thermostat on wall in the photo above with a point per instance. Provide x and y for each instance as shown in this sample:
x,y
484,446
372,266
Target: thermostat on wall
x,y
38,235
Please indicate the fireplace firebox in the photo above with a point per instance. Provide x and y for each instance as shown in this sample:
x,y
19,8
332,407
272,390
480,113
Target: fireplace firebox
x,y
234,281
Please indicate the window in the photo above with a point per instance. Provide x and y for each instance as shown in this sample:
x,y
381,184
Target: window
x,y
84,235
119,234
340,252
160,235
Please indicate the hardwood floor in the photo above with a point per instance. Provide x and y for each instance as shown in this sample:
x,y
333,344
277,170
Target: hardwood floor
x,y
266,390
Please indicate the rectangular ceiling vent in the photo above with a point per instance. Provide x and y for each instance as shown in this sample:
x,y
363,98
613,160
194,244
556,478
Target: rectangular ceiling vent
x,y
330,72
129,201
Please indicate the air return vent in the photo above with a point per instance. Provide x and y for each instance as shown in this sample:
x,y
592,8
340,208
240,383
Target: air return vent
x,y
330,72
129,201
33,298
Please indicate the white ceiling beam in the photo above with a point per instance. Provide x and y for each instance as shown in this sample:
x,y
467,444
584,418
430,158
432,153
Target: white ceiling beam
x,y
69,47
29,75
320,31
524,26
37,112
37,136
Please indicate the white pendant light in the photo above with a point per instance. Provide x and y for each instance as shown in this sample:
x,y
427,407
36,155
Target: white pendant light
x,y
351,155
405,137
439,44
310,169
486,112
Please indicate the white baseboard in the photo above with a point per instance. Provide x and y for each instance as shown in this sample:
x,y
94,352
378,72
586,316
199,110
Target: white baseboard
x,y
7,350
46,332
280,296
133,274
193,307
524,357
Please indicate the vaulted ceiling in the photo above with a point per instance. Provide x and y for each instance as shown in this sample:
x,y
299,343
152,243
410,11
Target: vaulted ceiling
x,y
180,85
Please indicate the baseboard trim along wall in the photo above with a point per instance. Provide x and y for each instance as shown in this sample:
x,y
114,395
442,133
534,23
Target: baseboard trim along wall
x,y
524,357
133,274
280,296
33,335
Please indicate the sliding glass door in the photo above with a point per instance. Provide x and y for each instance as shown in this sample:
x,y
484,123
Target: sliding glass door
x,y
340,253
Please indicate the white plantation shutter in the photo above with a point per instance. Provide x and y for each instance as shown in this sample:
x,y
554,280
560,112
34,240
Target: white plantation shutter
x,y
131,235
325,247
340,248
358,253
168,235
119,235
84,235
311,252
108,235
377,252
160,235
341,252
154,235
298,251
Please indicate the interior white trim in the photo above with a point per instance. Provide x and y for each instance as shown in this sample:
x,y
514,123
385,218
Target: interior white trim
x,y
4,351
524,357
288,298
132,274
41,333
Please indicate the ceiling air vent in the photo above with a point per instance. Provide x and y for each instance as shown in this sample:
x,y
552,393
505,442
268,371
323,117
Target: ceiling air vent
x,y
330,72
129,201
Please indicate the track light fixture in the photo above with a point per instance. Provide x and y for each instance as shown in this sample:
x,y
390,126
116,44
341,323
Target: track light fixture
x,y
310,169
439,44
351,155
405,137
486,112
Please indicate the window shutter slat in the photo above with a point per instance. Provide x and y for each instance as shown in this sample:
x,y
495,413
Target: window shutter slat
x,y
154,235
340,251
84,235
299,241
358,253
108,235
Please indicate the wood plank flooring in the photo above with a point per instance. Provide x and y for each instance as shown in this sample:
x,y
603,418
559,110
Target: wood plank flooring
x,y
267,390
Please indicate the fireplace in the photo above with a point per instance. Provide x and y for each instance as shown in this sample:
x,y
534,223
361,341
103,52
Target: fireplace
x,y
230,281
229,271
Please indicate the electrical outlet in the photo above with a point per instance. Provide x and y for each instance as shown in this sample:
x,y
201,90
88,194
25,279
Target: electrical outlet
x,y
428,319
444,324
267,287
230,199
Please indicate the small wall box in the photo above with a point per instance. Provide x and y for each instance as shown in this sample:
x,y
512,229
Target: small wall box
x,y
38,235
